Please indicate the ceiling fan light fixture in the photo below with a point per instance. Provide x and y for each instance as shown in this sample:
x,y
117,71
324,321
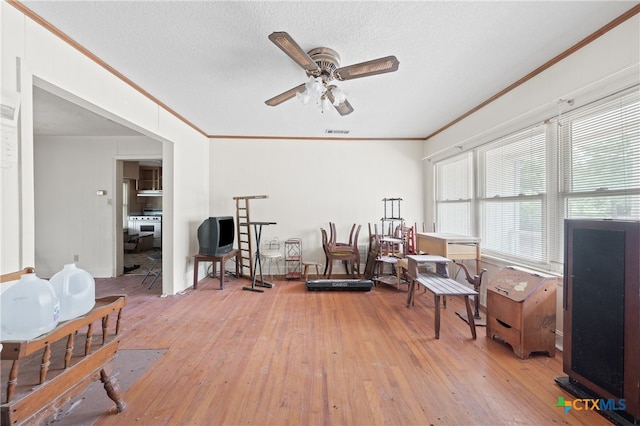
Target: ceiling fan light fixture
x,y
338,95
315,87
303,97
314,90
324,104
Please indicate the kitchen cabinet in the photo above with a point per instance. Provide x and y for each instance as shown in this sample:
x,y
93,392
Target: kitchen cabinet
x,y
131,170
150,178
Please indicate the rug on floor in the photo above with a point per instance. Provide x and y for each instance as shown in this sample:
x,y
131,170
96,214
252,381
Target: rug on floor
x,y
128,366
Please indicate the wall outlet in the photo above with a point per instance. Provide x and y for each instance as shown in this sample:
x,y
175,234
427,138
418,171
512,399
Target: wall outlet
x,y
76,257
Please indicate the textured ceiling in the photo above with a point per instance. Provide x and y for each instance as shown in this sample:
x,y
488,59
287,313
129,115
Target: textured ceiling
x,y
212,63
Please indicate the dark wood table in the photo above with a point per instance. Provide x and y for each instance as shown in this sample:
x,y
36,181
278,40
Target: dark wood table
x,y
215,259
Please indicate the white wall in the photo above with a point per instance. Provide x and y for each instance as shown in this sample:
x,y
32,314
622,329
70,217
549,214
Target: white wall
x,y
310,183
51,63
70,219
604,66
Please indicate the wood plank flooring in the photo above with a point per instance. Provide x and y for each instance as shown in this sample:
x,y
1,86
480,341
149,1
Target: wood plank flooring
x,y
292,357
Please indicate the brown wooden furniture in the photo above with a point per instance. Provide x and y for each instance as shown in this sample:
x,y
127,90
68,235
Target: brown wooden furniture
x,y
451,246
307,265
333,240
521,310
601,343
440,285
45,372
214,260
476,282
346,253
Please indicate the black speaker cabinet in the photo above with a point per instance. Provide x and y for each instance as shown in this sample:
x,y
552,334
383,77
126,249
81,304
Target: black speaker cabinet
x,y
601,310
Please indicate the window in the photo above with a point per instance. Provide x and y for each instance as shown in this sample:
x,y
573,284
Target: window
x,y
515,192
454,194
600,166
512,196
125,201
601,160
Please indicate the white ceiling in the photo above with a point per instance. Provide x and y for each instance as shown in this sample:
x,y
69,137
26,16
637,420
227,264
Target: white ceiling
x,y
212,63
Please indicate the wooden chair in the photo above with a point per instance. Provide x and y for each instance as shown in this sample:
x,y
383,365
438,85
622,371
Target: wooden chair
x,y
333,240
333,235
349,254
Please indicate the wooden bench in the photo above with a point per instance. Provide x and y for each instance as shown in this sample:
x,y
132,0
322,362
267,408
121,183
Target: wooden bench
x,y
44,373
440,285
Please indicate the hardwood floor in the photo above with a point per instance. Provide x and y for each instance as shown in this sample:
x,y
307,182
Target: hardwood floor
x,y
288,356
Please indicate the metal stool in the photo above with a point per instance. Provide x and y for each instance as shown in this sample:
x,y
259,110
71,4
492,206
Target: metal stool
x,y
271,252
155,258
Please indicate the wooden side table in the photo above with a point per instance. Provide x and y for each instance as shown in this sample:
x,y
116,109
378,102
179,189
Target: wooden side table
x,y
215,259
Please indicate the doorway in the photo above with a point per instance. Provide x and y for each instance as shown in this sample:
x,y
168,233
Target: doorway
x,y
142,214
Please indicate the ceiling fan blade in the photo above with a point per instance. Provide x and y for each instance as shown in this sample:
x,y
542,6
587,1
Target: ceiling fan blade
x,y
285,96
343,108
365,69
295,52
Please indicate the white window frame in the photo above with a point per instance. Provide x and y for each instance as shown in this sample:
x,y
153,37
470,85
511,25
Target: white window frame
x,y
557,195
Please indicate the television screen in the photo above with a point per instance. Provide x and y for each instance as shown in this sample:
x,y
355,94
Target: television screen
x,y
216,235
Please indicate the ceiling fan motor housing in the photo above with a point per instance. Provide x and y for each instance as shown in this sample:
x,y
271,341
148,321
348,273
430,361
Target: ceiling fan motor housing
x,y
327,60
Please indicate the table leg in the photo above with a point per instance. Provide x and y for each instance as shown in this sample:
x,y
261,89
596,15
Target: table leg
x,y
412,285
257,265
472,323
221,273
113,389
195,273
238,264
437,321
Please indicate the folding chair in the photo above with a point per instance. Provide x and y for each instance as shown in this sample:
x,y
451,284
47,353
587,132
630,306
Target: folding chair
x,y
155,259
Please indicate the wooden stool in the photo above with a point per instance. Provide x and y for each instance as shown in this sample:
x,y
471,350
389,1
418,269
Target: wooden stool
x,y
306,269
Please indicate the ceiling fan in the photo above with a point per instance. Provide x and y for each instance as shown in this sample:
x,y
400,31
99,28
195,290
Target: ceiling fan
x,y
322,65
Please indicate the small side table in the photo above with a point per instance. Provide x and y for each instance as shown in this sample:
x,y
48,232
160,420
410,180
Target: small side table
x,y
215,259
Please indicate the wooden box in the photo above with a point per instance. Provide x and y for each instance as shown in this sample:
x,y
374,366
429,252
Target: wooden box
x,y
451,246
521,310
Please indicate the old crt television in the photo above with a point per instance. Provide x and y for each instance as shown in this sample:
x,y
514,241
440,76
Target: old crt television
x,y
216,235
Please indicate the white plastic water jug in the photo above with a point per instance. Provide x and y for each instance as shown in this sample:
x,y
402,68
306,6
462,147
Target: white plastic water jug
x,y
29,308
76,290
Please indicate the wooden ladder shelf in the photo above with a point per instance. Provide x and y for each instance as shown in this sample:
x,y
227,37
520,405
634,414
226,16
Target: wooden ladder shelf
x,y
245,239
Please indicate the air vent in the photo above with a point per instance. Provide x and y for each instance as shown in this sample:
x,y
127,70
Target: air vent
x,y
336,132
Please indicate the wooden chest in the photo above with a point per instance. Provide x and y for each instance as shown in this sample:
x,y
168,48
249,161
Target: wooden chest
x,y
521,310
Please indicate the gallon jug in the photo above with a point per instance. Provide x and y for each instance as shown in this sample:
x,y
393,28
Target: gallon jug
x,y
29,308
76,290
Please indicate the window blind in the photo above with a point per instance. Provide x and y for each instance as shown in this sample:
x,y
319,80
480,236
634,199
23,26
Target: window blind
x,y
516,191
454,194
512,196
601,160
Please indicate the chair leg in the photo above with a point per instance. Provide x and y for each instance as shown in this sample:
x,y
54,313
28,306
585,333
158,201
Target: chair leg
x,y
155,274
